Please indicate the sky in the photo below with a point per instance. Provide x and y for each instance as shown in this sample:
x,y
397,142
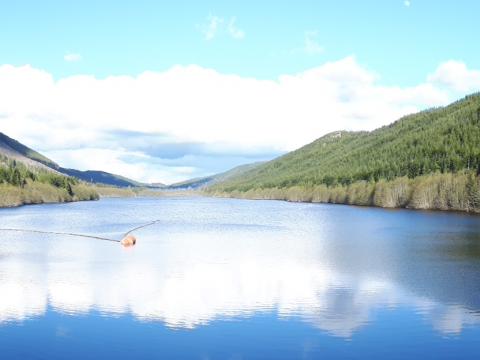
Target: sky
x,y
166,91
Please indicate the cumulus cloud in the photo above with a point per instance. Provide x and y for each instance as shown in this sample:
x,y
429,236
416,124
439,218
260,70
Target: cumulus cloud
x,y
191,121
456,75
71,57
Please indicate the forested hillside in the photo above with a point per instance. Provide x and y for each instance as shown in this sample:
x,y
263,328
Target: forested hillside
x,y
202,182
12,148
15,150
23,184
28,177
440,147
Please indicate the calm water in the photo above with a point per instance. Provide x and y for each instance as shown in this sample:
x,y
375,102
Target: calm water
x,y
238,279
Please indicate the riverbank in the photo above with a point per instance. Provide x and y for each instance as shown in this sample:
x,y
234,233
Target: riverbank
x,y
117,192
446,192
43,193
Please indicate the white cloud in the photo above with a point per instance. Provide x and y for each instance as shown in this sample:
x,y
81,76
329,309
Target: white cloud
x,y
71,57
456,75
311,45
407,3
234,31
216,24
187,108
210,30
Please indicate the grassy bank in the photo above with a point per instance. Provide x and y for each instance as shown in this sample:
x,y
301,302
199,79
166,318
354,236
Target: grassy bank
x,y
457,192
112,191
21,184
40,193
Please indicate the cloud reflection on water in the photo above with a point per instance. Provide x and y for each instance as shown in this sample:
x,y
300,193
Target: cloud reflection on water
x,y
191,279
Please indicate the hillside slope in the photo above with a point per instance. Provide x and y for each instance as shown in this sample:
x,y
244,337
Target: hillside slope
x,y
438,141
198,183
443,140
30,183
13,149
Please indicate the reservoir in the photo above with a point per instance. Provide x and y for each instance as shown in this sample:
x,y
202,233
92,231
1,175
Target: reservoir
x,y
238,279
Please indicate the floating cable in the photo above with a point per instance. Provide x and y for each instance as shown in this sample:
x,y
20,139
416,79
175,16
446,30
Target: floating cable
x,y
59,233
141,227
125,235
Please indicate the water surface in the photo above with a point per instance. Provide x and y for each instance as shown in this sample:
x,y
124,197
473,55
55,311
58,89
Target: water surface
x,y
239,279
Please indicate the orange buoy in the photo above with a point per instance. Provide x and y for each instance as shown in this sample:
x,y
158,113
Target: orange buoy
x,y
128,240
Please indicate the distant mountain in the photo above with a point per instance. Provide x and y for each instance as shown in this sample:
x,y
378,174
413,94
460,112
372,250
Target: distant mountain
x,y
13,149
201,182
101,177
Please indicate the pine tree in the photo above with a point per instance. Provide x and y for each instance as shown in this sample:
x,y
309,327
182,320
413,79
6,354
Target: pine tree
x,y
69,189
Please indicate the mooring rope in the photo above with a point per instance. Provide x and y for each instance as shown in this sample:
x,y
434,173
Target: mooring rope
x,y
141,226
60,233
80,235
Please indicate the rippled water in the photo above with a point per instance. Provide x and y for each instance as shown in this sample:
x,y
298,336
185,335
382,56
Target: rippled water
x,y
238,279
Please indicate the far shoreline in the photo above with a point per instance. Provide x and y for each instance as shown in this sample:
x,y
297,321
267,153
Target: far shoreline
x,y
131,193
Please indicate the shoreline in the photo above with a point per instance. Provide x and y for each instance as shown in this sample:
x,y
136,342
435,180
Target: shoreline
x,y
438,191
128,193
432,210
35,193
104,193
31,203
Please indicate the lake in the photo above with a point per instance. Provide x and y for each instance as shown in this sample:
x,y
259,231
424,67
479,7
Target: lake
x,y
239,279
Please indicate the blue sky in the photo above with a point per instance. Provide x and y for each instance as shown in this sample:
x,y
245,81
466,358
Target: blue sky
x,y
401,43
398,44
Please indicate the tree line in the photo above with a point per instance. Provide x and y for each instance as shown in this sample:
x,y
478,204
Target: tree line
x,y
20,184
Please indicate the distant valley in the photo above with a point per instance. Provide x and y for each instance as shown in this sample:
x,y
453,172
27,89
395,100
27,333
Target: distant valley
x,y
428,160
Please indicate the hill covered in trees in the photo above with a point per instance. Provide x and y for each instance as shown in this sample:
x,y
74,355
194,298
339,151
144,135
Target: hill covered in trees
x,y
13,149
426,160
202,182
27,177
22,183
